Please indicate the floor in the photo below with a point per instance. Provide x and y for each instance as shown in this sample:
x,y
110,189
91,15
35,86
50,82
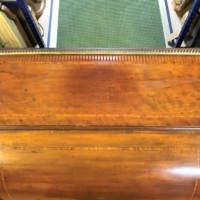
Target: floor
x,y
50,20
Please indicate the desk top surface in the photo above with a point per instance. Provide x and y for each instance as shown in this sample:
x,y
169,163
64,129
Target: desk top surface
x,y
131,88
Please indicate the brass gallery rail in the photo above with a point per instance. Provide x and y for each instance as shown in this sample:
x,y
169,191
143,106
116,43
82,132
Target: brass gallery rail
x,y
100,125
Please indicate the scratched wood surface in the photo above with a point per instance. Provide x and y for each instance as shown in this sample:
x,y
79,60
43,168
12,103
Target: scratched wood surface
x,y
90,165
81,90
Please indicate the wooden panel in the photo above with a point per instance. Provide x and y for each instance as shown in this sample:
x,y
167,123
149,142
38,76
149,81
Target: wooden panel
x,y
88,165
112,90
135,120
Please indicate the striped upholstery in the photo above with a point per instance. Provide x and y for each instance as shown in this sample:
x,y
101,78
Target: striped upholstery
x,y
9,34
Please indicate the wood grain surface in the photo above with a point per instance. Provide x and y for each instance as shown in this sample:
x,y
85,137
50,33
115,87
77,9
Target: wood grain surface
x,y
99,127
94,165
82,90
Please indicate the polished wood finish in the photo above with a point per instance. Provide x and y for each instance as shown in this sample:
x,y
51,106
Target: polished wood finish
x,y
91,165
131,90
101,126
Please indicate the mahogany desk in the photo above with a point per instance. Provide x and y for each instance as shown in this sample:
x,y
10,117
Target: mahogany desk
x,y
96,125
